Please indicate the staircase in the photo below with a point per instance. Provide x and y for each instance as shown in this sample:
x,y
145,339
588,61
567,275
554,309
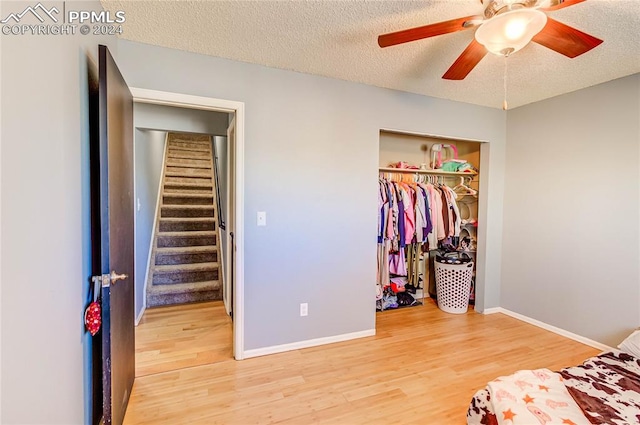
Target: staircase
x,y
185,261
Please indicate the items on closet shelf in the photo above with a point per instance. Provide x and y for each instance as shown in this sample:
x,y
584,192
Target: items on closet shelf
x,y
451,164
413,217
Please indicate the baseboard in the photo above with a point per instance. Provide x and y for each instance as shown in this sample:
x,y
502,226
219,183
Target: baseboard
x,y
308,343
492,310
551,328
139,318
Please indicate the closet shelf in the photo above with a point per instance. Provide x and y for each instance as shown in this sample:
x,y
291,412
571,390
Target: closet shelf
x,y
432,172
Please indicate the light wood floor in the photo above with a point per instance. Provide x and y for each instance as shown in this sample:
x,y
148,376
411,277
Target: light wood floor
x,y
422,367
176,337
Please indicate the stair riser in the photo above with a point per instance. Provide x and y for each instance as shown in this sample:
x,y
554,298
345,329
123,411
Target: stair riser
x,y
183,298
182,241
194,181
186,212
190,137
202,142
184,277
201,147
195,163
187,172
187,154
187,226
174,189
186,200
172,259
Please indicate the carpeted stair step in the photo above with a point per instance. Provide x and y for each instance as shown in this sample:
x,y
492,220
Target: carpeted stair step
x,y
186,224
181,239
185,273
186,154
162,295
187,199
191,138
191,163
186,189
189,180
187,211
189,146
187,172
181,150
186,255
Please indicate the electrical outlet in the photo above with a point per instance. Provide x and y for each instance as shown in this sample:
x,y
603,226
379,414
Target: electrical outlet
x,y
304,309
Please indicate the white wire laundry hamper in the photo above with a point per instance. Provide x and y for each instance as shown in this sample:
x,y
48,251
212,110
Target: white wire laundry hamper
x,y
453,285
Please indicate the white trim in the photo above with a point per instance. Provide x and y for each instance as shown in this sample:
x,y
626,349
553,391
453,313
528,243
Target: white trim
x,y
238,290
227,269
184,100
229,106
308,343
144,308
431,136
551,328
492,310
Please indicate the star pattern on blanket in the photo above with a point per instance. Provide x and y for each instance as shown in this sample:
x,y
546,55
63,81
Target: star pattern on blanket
x,y
543,388
528,399
508,415
568,422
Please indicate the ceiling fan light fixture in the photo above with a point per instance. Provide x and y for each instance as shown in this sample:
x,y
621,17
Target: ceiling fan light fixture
x,y
510,31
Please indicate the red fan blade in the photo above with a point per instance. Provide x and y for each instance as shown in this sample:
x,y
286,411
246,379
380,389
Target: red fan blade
x,y
565,39
562,5
466,61
413,34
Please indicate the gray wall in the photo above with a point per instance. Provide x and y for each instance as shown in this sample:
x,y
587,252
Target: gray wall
x,y
45,224
171,118
571,215
149,156
311,162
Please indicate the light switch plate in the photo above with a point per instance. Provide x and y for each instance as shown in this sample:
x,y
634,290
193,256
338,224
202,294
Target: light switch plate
x,y
262,218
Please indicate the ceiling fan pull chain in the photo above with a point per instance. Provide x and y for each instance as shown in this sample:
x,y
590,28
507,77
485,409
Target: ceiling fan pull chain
x,y
504,102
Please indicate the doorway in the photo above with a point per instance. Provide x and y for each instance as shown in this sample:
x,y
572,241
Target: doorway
x,y
233,234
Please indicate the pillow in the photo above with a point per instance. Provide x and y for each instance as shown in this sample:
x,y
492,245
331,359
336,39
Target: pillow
x,y
631,344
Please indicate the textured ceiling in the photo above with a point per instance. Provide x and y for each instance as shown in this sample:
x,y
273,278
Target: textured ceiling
x,y
339,39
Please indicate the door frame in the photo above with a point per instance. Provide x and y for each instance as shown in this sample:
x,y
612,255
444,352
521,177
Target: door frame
x,y
237,108
230,222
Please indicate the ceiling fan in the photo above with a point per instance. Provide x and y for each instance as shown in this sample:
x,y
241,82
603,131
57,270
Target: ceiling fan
x,y
506,27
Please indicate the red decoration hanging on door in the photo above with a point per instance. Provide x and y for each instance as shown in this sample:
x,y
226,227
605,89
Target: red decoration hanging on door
x,y
93,318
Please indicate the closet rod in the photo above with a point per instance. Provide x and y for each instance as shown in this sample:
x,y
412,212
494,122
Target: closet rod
x,y
419,171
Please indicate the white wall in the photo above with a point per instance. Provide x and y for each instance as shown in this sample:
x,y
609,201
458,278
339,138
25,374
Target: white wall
x,y
571,215
311,162
149,157
170,118
45,224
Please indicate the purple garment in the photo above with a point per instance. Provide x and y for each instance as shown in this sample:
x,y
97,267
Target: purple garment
x,y
382,216
429,225
401,230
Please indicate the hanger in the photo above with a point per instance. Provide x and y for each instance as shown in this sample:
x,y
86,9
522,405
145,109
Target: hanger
x,y
462,188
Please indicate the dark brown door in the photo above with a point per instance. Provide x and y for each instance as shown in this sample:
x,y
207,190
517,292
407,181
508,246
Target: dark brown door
x,y
117,237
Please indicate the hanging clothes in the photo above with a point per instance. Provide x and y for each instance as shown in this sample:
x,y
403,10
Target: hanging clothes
x,y
410,215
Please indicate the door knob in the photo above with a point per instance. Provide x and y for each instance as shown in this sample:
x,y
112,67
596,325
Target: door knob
x,y
116,277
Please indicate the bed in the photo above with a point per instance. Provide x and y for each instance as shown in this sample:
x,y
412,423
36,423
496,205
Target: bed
x,y
605,389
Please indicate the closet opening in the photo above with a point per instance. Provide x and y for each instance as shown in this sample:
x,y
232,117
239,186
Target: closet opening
x,y
428,220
